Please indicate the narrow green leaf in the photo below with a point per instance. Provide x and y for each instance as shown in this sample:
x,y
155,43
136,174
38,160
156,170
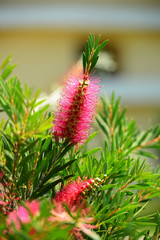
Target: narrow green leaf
x,y
24,178
92,151
87,52
79,170
103,127
97,41
66,149
29,146
93,64
105,187
7,137
146,154
7,107
57,169
7,71
103,45
26,159
9,155
112,98
39,169
90,42
49,186
6,61
7,171
5,87
84,62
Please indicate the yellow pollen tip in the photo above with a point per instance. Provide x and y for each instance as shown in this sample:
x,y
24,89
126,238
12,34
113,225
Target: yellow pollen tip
x,y
84,82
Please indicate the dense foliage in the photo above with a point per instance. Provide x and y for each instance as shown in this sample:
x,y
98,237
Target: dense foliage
x,y
54,188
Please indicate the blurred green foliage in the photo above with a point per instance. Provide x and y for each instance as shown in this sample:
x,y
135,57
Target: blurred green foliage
x,y
34,164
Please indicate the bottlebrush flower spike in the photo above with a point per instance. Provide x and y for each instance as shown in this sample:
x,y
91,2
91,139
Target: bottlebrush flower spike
x,y
73,193
79,97
76,109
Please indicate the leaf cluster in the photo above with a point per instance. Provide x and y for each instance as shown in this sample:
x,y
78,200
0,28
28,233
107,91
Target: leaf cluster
x,y
35,165
90,55
31,160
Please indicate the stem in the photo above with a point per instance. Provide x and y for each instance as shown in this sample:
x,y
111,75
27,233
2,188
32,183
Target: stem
x,y
125,185
148,143
156,237
113,212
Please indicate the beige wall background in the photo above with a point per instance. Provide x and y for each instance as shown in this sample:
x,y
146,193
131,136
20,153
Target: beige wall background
x,y
44,53
43,57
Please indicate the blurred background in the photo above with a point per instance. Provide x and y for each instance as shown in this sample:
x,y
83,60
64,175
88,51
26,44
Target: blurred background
x,y
46,39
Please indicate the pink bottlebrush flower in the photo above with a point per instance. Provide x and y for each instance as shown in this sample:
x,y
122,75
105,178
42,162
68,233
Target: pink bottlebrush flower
x,y
17,216
76,109
12,218
77,218
23,214
73,193
33,207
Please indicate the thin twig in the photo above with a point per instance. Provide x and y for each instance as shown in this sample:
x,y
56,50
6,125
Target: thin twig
x,y
147,143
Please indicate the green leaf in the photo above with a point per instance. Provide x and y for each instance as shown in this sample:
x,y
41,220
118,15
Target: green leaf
x,y
93,64
48,124
29,146
103,45
39,169
140,186
87,52
87,141
9,155
105,187
6,61
112,98
66,149
79,170
24,178
6,142
5,87
7,71
146,154
7,107
57,169
49,186
7,171
116,107
97,41
95,55
90,42
111,219
7,137
84,62
92,151
102,126
26,159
